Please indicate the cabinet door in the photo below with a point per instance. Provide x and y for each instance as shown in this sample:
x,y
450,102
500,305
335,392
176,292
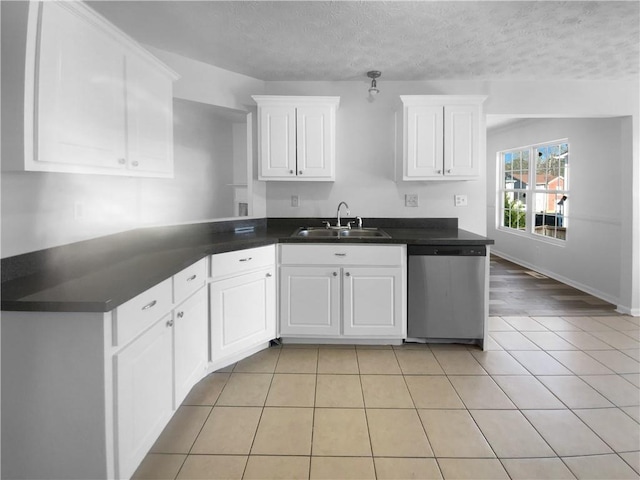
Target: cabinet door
x,y
149,118
461,153
315,142
80,105
372,302
423,141
242,312
190,344
277,142
310,301
144,394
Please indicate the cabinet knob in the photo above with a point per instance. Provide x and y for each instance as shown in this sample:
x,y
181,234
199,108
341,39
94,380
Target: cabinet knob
x,y
268,275
348,274
449,171
169,323
135,163
300,172
122,161
335,274
291,172
438,171
180,314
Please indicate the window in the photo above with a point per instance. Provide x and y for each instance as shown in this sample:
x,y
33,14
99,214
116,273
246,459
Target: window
x,y
534,191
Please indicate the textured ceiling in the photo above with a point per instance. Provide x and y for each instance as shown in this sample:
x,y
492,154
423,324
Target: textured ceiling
x,y
406,40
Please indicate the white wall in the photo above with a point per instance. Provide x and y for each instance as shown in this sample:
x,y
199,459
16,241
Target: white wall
x,y
590,257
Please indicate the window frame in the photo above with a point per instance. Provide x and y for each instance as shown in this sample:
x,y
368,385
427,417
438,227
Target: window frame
x,y
530,192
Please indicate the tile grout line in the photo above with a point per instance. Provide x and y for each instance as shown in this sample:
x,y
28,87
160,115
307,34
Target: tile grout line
x,y
244,471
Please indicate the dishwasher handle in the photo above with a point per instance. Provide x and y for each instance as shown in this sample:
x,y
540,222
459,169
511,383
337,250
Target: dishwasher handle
x,y
448,250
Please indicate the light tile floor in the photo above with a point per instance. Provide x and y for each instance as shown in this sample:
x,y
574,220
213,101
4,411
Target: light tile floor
x,y
553,398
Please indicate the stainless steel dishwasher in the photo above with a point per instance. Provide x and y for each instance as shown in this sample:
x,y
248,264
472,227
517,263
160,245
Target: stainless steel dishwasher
x,y
446,288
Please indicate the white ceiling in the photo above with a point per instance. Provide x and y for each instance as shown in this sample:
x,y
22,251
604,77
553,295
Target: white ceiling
x,y
406,40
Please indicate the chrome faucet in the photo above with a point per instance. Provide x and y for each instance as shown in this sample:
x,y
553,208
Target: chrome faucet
x,y
338,213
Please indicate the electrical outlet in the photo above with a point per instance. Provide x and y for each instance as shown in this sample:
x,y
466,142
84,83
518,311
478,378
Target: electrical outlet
x,y
460,200
295,201
411,200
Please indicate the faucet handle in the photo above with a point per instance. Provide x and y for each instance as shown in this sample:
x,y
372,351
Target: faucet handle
x,y
326,224
349,224
359,219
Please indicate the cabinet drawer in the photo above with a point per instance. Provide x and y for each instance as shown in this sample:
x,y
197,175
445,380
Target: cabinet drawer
x,y
342,254
231,263
189,280
142,311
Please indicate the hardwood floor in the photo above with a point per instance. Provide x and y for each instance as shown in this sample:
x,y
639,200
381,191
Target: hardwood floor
x,y
515,291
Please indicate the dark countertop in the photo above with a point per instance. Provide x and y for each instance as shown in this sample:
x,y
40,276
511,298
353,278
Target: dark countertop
x,y
101,274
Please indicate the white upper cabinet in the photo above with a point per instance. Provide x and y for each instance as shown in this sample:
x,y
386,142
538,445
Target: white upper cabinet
x,y
424,146
149,118
297,137
95,101
441,137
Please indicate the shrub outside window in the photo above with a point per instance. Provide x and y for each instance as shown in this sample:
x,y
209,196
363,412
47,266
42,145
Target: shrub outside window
x,y
534,190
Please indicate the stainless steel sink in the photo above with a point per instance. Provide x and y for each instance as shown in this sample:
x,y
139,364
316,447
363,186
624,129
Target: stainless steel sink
x,y
363,233
315,233
332,232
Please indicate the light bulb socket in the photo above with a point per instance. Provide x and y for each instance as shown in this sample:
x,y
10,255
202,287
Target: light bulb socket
x,y
373,74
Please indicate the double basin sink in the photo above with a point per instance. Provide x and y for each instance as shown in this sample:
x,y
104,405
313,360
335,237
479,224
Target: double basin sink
x,y
339,232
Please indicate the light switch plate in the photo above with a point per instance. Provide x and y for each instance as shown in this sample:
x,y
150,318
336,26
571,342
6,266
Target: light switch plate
x,y
460,200
295,201
411,200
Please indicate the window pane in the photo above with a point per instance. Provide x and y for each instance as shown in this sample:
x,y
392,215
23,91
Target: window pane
x,y
551,166
550,215
516,169
514,211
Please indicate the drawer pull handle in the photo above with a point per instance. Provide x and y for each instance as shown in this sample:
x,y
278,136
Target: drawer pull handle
x,y
149,305
340,254
245,259
180,314
192,277
169,323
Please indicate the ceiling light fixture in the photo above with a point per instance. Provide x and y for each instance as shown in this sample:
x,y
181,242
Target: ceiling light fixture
x,y
373,74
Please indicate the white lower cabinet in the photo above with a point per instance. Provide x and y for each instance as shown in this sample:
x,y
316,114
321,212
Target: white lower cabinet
x,y
372,302
155,372
242,299
310,300
144,394
190,344
86,394
336,291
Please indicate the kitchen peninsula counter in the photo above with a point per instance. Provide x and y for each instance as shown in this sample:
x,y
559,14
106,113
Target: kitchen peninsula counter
x,y
101,274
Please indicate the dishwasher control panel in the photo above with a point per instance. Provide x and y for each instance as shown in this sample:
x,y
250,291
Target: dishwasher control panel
x,y
448,250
